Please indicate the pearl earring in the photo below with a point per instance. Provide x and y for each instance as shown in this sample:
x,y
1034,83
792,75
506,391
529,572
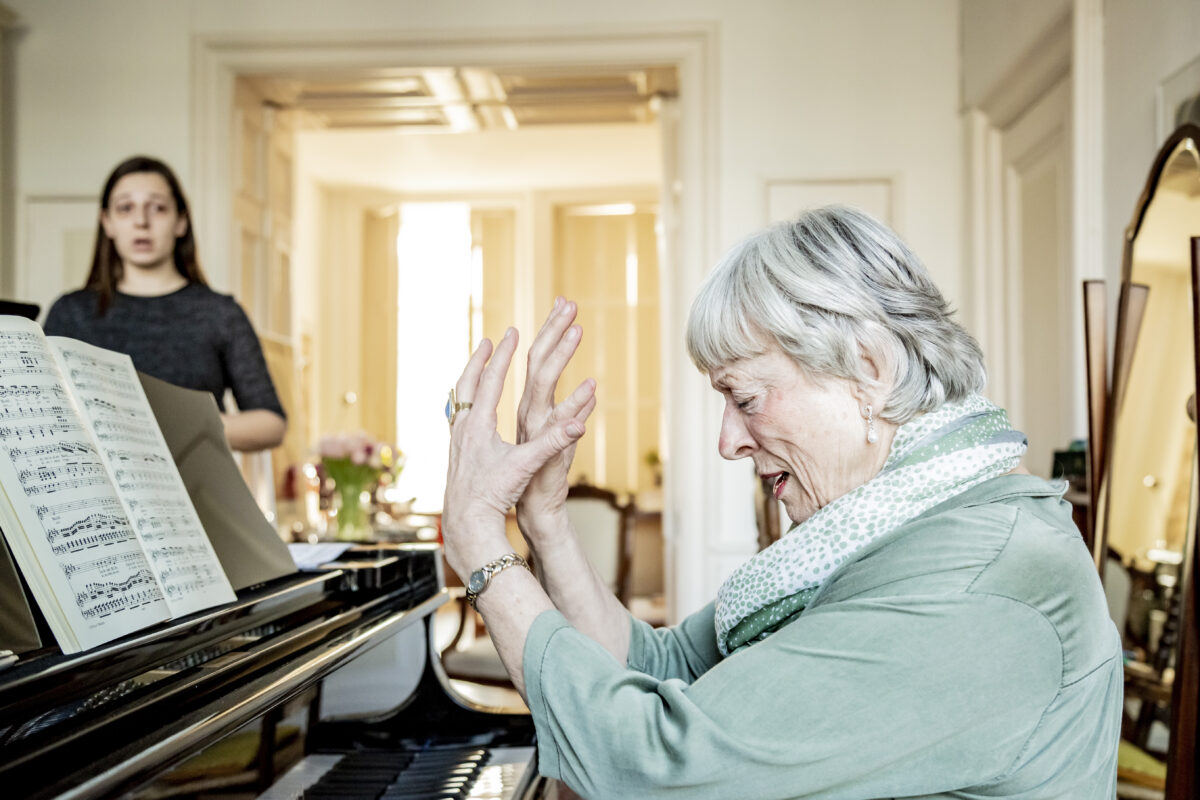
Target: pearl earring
x,y
872,436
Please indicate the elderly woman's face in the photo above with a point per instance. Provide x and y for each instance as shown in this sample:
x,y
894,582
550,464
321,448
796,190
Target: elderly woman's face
x,y
807,437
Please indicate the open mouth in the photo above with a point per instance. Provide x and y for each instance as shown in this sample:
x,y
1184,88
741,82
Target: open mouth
x,y
779,481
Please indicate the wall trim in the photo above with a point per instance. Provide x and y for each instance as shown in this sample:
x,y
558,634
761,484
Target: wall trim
x,y
1071,48
1042,66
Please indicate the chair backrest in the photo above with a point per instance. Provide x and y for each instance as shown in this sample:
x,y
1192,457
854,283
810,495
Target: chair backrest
x,y
605,529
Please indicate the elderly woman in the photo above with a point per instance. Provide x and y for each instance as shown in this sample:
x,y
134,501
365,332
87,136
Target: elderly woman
x,y
930,626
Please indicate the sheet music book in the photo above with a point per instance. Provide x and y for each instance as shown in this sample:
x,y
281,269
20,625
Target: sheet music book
x,y
91,503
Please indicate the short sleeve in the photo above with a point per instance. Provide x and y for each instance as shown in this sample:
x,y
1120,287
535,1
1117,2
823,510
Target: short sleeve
x,y
245,367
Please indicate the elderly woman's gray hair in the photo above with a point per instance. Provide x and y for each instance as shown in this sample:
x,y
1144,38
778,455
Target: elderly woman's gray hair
x,y
827,287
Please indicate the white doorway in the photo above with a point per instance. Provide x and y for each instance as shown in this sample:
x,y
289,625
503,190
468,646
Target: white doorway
x,y
1025,284
689,208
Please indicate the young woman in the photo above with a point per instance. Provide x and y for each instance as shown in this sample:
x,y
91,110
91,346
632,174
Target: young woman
x,y
146,296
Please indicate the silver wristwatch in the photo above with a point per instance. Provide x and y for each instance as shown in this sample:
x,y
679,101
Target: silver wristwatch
x,y
481,577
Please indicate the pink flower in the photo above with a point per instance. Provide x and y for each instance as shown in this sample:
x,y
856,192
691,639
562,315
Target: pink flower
x,y
360,449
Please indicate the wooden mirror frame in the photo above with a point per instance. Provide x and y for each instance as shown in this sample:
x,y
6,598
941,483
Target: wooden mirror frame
x,y
1095,337
1183,755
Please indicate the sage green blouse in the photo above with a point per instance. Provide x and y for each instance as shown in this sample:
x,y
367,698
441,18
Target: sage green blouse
x,y
968,654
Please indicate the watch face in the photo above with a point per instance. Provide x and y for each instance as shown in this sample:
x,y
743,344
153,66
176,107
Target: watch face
x,y
477,581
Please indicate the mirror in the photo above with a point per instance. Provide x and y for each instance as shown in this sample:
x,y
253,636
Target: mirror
x,y
1151,456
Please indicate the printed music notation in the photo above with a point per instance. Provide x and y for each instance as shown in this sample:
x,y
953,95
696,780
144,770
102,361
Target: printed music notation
x,y
104,567
185,572
106,537
92,366
110,382
135,457
140,507
23,364
32,412
22,353
131,478
85,471
144,474
10,339
51,453
159,525
33,391
61,426
100,404
46,480
190,551
124,432
94,530
103,598
67,470
109,505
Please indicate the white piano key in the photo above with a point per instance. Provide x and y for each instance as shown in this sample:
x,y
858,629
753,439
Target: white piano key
x,y
293,783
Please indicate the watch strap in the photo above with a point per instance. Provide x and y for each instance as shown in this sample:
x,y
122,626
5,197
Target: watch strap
x,y
491,570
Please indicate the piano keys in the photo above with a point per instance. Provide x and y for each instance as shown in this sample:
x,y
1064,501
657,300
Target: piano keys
x,y
140,718
449,774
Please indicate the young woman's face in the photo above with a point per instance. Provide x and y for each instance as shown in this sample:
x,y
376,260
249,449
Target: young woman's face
x,y
142,220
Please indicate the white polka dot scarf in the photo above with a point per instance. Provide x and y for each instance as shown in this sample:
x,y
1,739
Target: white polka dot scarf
x,y
933,458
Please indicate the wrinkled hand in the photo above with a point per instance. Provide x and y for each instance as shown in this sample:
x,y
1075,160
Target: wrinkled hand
x,y
537,413
486,475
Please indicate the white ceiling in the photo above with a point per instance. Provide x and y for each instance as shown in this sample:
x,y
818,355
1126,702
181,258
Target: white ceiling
x,y
471,99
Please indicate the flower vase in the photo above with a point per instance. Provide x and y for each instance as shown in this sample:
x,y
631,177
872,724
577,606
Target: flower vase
x,y
353,519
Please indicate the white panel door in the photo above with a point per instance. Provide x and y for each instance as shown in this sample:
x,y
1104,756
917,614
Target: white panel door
x,y
1036,157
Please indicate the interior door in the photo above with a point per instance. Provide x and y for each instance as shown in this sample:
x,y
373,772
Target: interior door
x,y
1036,153
264,140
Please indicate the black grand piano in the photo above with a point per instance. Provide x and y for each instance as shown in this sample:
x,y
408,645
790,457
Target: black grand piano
x,y
231,702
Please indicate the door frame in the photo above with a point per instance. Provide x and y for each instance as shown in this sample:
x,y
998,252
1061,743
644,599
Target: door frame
x,y
692,491
1072,50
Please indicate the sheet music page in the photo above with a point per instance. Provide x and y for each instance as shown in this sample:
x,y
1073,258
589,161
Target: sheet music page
x,y
116,411
63,519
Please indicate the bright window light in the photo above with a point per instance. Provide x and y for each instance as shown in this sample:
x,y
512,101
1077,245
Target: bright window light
x,y
433,250
631,279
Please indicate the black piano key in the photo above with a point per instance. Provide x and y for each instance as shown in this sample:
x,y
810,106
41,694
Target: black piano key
x,y
446,771
384,776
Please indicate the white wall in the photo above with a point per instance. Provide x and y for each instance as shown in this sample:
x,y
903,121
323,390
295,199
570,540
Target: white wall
x,y
1145,41
995,35
811,88
803,89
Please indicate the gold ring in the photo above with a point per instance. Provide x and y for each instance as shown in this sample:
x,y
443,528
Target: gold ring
x,y
453,407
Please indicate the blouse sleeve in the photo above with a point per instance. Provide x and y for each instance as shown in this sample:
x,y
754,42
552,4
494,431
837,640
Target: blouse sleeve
x,y
869,698
685,651
245,368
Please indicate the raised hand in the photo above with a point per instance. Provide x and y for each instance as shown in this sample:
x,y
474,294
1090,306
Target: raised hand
x,y
486,475
555,344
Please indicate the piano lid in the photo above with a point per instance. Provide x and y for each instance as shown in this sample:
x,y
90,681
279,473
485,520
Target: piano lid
x,y
99,723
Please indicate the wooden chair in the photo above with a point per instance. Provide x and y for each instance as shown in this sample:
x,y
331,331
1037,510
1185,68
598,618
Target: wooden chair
x,y
470,655
605,529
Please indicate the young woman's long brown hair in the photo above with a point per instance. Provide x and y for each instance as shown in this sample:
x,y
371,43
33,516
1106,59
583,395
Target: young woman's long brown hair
x,y
107,266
